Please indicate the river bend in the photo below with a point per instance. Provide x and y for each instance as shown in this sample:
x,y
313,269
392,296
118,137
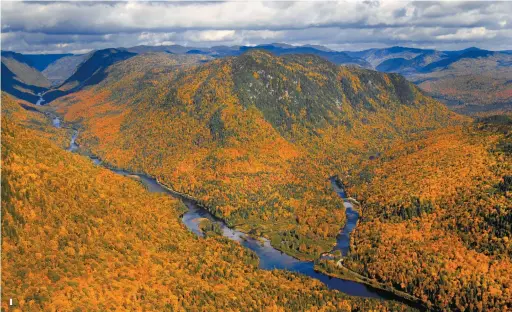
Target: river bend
x,y
269,257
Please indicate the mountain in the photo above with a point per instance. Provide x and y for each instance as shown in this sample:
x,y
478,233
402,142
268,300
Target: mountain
x,y
470,81
332,56
23,69
20,79
465,54
41,61
471,84
399,59
405,66
89,72
376,56
174,49
61,69
99,240
254,137
275,48
318,47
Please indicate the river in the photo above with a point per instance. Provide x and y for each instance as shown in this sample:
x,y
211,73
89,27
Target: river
x,y
40,100
269,257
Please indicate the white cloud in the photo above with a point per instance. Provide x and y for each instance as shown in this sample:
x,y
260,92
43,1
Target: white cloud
x,y
48,26
209,35
469,34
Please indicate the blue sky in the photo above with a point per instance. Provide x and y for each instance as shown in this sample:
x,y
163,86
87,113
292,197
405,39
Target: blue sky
x,y
77,27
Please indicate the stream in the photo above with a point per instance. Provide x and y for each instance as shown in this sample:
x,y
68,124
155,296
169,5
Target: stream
x,y
269,257
40,100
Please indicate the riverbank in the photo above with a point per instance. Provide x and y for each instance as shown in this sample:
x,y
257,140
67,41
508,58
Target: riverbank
x,y
318,266
332,265
336,269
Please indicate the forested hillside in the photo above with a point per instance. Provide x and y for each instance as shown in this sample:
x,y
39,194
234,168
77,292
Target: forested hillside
x,y
90,71
77,237
436,217
255,138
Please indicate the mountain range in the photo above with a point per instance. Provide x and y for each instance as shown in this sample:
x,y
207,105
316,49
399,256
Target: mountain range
x,y
470,81
114,245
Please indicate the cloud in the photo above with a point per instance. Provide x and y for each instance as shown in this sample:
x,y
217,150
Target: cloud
x,y
77,26
469,34
210,35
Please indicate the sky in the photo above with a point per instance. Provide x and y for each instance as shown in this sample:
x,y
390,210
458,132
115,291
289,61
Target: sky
x,y
79,27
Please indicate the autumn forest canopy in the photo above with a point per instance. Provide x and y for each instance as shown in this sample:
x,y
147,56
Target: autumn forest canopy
x,y
254,139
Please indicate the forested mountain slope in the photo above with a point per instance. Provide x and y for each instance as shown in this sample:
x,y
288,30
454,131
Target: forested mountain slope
x,y
255,137
89,72
24,70
437,217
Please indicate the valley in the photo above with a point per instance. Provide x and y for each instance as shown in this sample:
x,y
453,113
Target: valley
x,y
286,158
269,258
254,156
254,138
114,243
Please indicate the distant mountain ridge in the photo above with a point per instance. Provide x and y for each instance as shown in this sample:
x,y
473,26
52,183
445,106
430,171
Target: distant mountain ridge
x,y
336,57
20,78
450,76
470,81
61,69
41,61
89,72
424,60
